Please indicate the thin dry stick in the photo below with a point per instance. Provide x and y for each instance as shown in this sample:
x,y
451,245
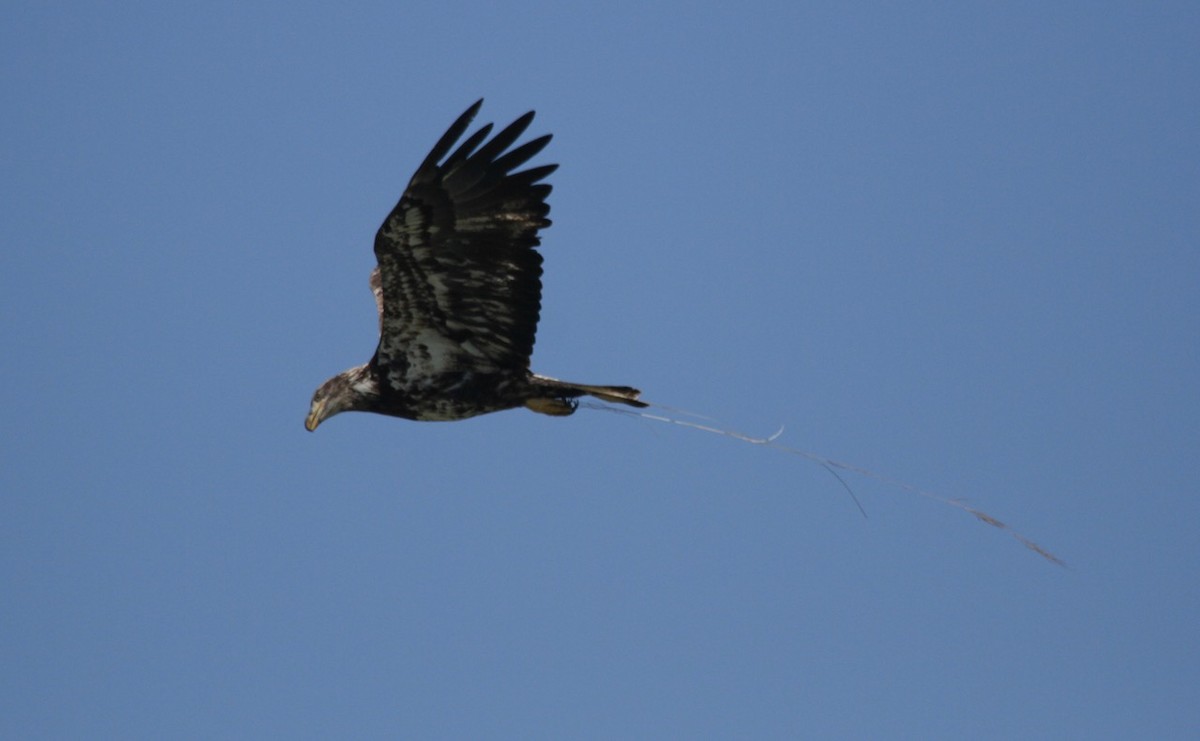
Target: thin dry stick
x,y
830,465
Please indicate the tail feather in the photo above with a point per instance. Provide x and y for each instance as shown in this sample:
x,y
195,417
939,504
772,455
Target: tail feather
x,y
613,394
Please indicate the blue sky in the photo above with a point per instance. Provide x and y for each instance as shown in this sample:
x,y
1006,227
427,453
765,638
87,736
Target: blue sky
x,y
954,243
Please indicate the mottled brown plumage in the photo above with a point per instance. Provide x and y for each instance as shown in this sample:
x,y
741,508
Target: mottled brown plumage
x,y
458,288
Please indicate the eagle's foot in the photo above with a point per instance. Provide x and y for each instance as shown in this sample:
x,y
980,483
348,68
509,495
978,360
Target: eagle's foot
x,y
555,407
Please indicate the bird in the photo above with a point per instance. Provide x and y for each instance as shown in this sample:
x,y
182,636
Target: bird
x,y
457,286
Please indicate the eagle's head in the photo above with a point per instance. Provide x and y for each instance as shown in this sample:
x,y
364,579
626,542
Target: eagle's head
x,y
356,389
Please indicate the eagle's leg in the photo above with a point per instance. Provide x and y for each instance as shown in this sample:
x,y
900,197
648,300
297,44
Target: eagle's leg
x,y
555,407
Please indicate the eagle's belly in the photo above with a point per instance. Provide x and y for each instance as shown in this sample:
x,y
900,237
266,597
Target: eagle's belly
x,y
452,396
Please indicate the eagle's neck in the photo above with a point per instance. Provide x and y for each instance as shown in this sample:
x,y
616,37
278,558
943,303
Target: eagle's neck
x,y
363,386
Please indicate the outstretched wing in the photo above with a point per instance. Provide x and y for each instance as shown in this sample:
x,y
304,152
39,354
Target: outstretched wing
x,y
459,285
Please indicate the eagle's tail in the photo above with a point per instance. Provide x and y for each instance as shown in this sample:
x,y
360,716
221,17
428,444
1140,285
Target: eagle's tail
x,y
558,402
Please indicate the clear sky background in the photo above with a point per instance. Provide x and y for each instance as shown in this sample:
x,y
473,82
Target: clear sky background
x,y
954,243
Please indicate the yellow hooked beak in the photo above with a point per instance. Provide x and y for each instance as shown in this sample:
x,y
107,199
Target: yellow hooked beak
x,y
314,417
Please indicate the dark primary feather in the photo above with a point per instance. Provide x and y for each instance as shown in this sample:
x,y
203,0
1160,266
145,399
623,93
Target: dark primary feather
x,y
460,280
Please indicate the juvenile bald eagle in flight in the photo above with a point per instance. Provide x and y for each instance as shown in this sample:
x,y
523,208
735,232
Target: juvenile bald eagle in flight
x,y
458,288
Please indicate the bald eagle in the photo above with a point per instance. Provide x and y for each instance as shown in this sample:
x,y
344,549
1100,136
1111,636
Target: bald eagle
x,y
458,289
